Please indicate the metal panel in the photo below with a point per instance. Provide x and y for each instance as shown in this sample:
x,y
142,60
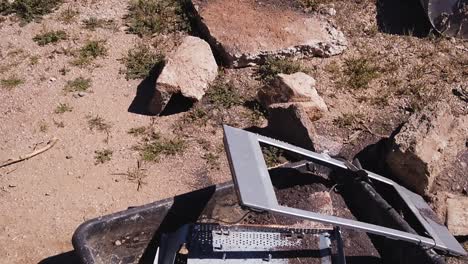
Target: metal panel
x,y
255,189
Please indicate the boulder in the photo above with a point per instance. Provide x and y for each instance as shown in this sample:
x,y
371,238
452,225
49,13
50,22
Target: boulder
x,y
293,105
188,71
248,31
425,145
457,216
292,123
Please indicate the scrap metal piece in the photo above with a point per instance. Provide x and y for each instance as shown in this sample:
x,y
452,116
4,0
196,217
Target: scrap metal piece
x,y
213,243
255,190
448,17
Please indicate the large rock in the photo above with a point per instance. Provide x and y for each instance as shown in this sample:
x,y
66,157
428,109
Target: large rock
x,y
426,144
291,122
457,216
245,31
189,70
293,104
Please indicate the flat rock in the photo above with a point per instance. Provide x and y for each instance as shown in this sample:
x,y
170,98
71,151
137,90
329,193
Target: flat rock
x,y
246,31
457,216
188,71
426,144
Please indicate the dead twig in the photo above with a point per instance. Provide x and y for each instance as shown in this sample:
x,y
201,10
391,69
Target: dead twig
x,y
49,145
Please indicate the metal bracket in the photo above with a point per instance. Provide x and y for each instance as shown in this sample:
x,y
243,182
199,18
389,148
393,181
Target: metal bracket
x,y
255,190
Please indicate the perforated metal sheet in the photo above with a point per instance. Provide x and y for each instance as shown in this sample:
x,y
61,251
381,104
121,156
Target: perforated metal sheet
x,y
211,243
256,241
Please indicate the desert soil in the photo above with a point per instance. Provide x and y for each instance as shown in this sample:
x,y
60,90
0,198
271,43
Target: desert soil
x,y
44,199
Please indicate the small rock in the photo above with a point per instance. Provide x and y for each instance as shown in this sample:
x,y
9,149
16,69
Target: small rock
x,y
330,11
188,71
11,185
117,243
426,144
457,216
299,88
52,79
68,157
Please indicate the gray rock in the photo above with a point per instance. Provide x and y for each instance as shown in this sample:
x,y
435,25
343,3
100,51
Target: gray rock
x,y
249,31
457,215
298,88
290,122
426,144
189,70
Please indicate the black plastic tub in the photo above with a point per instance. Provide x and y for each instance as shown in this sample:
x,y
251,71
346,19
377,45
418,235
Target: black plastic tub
x,y
132,236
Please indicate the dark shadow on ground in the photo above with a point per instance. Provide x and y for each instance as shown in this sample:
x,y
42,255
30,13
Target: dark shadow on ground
x,y
402,17
177,104
145,92
63,258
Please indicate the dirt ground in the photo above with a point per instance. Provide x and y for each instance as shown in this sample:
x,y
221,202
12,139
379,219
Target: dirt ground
x,y
44,199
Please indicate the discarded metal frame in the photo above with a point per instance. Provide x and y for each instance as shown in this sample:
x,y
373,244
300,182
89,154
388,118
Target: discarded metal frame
x,y
213,243
255,190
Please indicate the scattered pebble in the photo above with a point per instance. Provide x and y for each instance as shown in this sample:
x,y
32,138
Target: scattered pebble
x,y
463,164
330,11
68,157
52,79
117,243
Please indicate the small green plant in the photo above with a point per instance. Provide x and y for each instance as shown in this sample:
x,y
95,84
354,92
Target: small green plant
x,y
43,127
360,72
102,156
349,120
310,4
212,160
98,123
69,15
139,62
274,66
59,124
147,17
11,82
33,60
137,131
63,108
50,37
273,156
79,84
223,94
154,146
135,175
64,71
93,22
256,114
197,114
92,50
29,10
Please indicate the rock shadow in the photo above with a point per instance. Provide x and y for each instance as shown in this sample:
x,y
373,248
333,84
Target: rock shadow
x,y
145,93
402,17
63,258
